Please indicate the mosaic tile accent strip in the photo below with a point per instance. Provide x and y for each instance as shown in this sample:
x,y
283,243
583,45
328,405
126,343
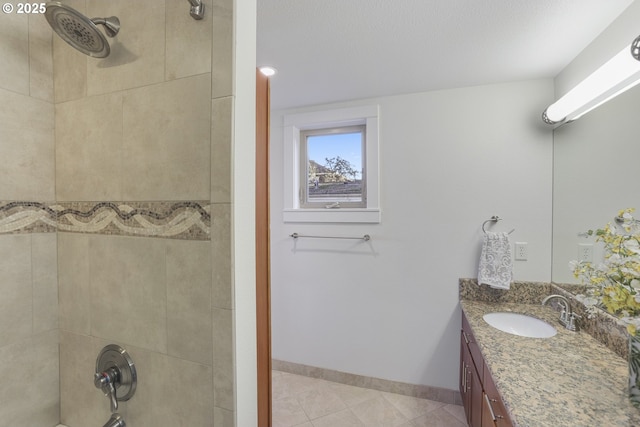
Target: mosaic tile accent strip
x,y
26,217
179,220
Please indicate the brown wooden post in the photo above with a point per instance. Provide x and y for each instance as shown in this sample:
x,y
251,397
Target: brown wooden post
x,y
263,291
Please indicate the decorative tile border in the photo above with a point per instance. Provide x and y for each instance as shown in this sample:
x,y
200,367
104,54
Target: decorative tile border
x,y
179,220
26,217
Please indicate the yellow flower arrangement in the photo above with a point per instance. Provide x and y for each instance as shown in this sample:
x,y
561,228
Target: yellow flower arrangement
x,y
614,284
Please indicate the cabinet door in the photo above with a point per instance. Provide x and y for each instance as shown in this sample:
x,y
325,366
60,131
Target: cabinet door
x,y
470,386
465,363
470,377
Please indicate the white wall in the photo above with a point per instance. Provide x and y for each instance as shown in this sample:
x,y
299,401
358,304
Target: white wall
x,y
389,309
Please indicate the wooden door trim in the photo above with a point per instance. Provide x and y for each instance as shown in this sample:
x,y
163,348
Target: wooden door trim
x,y
263,290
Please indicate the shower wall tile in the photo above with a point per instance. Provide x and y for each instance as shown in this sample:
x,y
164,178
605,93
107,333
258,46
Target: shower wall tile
x,y
69,65
221,134
223,417
167,136
138,51
70,72
221,256
43,396
140,127
74,279
81,404
45,284
221,240
222,49
15,367
24,402
223,372
14,51
29,385
40,58
189,323
88,148
170,392
188,41
16,304
27,149
128,290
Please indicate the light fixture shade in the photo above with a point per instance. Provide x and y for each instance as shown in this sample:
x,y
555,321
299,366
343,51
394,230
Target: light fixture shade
x,y
617,75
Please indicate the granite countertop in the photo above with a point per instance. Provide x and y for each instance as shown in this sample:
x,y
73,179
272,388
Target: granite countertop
x,y
569,380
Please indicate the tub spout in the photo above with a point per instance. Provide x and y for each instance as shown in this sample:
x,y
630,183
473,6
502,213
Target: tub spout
x,y
116,420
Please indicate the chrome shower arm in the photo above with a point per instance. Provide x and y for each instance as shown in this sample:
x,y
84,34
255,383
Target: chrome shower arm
x,y
111,25
197,9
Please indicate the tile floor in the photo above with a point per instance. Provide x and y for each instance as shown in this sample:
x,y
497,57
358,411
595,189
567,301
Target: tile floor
x,y
308,402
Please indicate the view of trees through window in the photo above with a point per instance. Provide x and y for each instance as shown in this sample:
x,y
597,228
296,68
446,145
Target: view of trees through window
x,y
335,171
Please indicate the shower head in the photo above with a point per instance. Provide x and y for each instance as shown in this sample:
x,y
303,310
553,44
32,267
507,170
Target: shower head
x,y
79,31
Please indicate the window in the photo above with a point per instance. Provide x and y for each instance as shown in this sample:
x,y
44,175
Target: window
x,y
331,166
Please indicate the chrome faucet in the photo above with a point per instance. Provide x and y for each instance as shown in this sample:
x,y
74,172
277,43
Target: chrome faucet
x,y
567,317
116,420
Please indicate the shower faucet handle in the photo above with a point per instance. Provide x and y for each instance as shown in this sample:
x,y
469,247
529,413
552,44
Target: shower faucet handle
x,y
115,375
106,381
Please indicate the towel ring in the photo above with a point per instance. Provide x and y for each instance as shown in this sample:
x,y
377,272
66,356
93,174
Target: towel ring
x,y
494,218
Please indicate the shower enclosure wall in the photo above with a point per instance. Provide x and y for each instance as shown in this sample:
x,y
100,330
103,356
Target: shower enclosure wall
x,y
115,206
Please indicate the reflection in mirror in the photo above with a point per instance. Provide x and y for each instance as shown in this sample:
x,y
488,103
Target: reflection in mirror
x,y
596,173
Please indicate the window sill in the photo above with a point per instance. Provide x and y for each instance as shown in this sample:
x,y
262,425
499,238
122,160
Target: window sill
x,y
332,215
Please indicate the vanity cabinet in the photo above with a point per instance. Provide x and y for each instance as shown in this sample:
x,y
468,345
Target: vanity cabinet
x,y
483,405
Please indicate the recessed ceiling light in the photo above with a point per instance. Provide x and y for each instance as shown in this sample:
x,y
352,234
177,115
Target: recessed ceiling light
x,y
268,70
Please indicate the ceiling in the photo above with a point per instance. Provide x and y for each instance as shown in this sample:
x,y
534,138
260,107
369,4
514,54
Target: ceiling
x,y
337,50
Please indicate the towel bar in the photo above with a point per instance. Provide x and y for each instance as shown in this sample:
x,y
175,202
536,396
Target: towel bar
x,y
366,237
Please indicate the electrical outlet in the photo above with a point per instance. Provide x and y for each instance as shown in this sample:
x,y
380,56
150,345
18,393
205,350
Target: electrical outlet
x,y
521,251
585,252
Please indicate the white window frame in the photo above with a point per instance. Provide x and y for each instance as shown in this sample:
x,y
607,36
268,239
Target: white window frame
x,y
306,201
293,125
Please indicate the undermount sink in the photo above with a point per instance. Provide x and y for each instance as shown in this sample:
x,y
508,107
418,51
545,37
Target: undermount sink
x,y
520,324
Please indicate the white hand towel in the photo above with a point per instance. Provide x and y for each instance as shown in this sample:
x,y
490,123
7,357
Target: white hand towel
x,y
496,267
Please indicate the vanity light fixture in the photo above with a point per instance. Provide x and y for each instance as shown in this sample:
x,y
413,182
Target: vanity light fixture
x,y
619,74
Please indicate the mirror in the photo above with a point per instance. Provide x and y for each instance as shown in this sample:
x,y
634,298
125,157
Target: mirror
x,y
596,173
